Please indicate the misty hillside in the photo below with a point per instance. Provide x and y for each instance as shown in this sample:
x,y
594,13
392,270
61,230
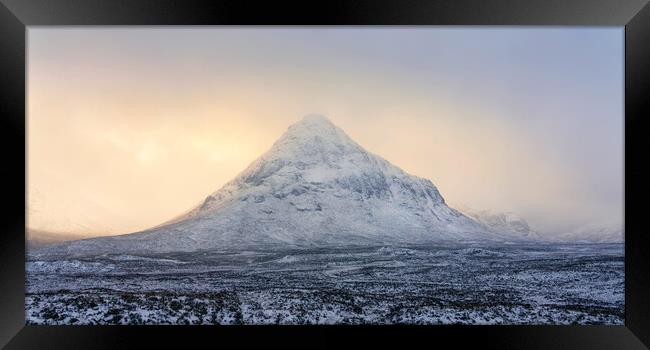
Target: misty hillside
x,y
41,238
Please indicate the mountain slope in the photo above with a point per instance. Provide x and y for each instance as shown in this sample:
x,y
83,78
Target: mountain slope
x,y
314,187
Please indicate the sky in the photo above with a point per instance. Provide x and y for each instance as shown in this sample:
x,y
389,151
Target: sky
x,y
129,127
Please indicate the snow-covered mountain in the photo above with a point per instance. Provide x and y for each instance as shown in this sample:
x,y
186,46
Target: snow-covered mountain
x,y
314,187
510,225
506,224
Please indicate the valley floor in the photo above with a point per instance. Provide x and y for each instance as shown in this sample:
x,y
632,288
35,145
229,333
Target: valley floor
x,y
508,284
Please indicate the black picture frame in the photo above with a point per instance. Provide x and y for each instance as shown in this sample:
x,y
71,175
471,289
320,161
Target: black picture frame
x,y
16,15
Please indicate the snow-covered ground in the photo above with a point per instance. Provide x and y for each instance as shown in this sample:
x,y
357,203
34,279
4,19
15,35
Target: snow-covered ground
x,y
468,284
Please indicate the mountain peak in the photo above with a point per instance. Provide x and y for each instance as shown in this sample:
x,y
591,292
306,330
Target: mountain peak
x,y
315,118
313,136
313,125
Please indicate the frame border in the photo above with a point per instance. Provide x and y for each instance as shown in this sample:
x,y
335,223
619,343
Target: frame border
x,y
16,15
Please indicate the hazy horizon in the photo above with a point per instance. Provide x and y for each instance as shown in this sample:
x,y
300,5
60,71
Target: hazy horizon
x,y
130,127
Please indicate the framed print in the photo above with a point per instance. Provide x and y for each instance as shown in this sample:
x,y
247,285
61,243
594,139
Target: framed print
x,y
469,172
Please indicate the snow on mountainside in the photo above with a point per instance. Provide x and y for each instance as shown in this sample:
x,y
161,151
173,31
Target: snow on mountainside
x,y
508,224
314,187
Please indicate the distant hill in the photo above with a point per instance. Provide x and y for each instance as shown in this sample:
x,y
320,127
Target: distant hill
x,y
594,233
508,224
41,238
